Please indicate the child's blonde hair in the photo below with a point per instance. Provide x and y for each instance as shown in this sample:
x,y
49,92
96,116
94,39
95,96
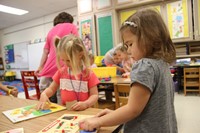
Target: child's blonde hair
x,y
71,46
153,36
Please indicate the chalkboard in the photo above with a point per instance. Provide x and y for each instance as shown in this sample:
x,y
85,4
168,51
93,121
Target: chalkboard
x,y
35,54
105,33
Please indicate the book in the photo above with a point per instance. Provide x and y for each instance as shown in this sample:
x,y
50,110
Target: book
x,y
29,112
67,123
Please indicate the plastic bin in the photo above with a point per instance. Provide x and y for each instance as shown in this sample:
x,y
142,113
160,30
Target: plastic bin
x,y
98,60
105,72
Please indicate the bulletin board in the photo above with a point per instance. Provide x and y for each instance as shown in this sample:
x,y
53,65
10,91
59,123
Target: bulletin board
x,y
86,33
105,32
177,19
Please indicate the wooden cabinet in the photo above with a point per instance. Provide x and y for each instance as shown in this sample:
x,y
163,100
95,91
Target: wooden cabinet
x,y
196,14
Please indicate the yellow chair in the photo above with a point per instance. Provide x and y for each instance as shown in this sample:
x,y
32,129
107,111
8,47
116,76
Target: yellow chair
x,y
121,94
191,80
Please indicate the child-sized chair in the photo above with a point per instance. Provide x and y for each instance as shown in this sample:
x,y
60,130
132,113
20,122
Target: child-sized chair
x,y
121,94
30,80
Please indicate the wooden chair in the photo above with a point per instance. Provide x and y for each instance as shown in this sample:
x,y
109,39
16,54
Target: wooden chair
x,y
30,81
121,94
191,80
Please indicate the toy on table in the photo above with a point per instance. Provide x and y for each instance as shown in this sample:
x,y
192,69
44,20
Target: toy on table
x,y
67,123
105,79
28,112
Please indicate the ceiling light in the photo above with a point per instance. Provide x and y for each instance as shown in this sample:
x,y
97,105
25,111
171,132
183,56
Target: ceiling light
x,y
12,10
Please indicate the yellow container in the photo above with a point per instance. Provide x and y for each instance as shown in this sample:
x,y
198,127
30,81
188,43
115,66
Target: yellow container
x,y
98,60
105,72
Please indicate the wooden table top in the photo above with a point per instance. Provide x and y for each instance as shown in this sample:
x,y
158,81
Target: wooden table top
x,y
118,80
36,124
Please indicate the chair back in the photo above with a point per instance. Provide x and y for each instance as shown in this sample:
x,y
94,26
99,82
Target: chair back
x,y
191,80
121,94
30,80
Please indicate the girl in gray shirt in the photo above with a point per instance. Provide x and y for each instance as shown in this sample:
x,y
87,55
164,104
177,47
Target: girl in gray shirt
x,y
150,107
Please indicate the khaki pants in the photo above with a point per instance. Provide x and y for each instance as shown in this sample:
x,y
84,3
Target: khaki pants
x,y
45,83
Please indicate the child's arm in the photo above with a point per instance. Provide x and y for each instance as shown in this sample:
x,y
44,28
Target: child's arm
x,y
138,98
93,92
10,90
48,92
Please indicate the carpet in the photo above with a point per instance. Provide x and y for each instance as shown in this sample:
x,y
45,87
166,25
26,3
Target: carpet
x,y
16,83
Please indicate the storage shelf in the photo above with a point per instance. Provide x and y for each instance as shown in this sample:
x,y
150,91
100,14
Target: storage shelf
x,y
188,56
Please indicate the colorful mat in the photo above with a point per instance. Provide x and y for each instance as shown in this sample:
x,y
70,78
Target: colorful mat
x,y
16,83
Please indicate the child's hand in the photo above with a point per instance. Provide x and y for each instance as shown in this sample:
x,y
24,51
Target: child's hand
x,y
103,112
79,106
44,102
14,92
89,124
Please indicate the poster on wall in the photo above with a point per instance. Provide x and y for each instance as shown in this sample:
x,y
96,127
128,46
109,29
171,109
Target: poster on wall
x,y
178,19
9,53
86,33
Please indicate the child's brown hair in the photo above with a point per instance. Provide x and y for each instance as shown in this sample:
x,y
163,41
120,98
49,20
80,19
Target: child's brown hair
x,y
153,36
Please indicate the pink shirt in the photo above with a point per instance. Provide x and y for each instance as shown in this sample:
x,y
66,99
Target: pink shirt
x,y
74,89
59,30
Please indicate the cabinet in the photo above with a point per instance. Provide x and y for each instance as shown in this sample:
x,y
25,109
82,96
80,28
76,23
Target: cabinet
x,y
196,14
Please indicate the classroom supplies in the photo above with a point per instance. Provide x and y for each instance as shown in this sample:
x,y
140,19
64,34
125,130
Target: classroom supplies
x,y
17,130
105,72
67,123
28,112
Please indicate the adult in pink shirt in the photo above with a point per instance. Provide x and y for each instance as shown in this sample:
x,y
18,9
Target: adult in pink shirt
x,y
62,26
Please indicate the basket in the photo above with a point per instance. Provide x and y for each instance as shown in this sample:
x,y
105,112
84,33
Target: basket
x,y
105,72
98,60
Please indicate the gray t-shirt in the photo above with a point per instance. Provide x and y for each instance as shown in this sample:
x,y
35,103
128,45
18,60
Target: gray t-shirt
x,y
159,115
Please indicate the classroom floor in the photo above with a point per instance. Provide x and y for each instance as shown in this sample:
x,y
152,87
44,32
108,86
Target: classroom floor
x,y
187,112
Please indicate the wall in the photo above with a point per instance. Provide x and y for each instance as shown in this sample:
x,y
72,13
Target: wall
x,y
37,28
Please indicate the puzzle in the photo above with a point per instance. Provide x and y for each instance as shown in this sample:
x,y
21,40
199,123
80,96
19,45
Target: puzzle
x,y
67,123
17,130
28,112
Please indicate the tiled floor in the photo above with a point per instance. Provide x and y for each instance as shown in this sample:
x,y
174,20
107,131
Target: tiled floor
x,y
187,112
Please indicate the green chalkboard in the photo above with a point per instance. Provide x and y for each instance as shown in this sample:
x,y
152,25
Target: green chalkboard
x,y
105,34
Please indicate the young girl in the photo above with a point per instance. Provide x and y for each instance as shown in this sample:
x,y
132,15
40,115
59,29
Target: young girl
x,y
92,64
78,84
150,107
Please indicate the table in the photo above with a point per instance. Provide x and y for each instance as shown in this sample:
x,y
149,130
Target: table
x,y
36,124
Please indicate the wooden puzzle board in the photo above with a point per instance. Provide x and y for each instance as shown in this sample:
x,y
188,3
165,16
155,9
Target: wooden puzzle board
x,y
67,123
17,130
29,112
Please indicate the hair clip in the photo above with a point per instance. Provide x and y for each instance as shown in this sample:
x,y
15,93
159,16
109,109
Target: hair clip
x,y
130,23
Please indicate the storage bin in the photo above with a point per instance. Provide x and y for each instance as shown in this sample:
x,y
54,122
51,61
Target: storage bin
x,y
105,72
98,60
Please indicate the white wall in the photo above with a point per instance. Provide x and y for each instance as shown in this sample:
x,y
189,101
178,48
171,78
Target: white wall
x,y
30,30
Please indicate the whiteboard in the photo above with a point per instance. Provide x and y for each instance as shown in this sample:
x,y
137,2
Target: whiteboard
x,y
20,55
35,54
